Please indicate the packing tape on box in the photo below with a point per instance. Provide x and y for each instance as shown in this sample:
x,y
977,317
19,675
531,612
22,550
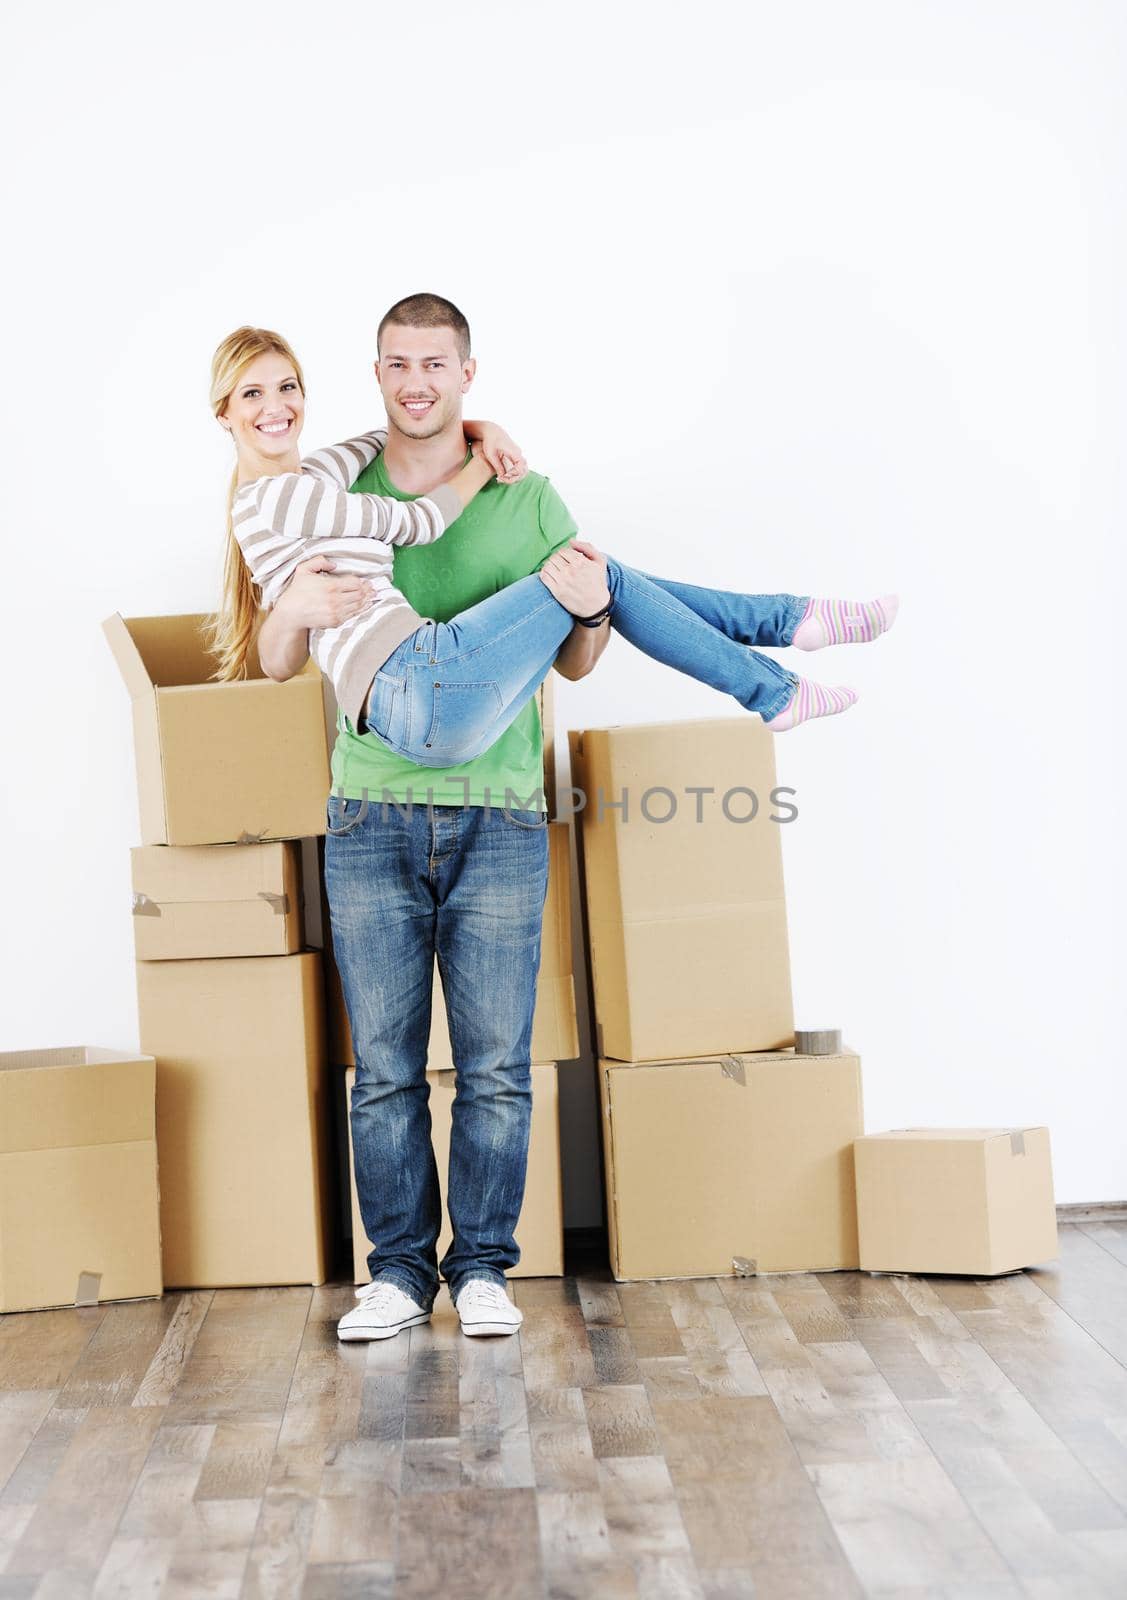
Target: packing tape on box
x,y
89,1286
252,838
280,902
1017,1142
144,907
817,1041
745,1266
732,1067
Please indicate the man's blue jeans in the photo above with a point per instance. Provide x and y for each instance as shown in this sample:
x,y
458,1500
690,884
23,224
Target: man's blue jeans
x,y
452,688
467,884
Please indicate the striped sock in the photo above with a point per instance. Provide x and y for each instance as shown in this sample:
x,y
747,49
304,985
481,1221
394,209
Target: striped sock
x,y
844,621
810,700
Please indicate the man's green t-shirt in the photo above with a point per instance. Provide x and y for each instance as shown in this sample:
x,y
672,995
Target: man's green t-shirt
x,y
506,532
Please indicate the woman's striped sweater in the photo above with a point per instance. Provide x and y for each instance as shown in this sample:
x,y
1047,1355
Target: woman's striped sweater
x,y
282,521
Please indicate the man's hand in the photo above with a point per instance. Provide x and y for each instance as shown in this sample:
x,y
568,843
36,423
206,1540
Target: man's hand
x,y
577,576
313,598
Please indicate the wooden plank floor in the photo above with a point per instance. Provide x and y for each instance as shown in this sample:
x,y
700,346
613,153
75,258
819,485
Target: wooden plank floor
x,y
790,1438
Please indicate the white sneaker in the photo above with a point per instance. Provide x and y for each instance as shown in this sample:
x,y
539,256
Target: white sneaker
x,y
484,1307
384,1310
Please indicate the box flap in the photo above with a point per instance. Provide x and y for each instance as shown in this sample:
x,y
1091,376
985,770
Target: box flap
x,y
75,1096
953,1135
173,649
172,652
130,662
65,1055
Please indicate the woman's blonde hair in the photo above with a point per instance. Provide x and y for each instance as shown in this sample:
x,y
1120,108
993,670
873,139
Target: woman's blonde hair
x,y
230,631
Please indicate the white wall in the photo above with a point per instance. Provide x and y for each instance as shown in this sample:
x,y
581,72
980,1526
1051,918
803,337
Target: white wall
x,y
811,297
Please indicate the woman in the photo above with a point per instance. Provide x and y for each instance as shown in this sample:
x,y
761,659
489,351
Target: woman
x,y
441,693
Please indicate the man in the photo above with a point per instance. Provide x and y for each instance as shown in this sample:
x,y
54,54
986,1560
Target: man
x,y
443,873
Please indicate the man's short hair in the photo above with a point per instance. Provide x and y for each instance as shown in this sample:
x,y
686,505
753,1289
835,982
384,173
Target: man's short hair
x,y
428,311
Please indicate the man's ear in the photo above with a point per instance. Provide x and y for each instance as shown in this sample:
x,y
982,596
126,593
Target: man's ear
x,y
376,368
469,372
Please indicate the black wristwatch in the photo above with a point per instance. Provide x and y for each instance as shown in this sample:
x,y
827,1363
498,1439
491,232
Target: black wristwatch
x,y
599,616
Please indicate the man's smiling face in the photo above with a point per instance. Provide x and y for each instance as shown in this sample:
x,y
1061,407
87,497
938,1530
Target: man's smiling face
x,y
422,378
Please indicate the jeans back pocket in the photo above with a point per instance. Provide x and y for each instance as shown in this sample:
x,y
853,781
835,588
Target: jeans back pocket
x,y
382,704
463,715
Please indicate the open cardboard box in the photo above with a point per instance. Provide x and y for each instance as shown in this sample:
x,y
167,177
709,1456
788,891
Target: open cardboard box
x,y
219,763
79,1217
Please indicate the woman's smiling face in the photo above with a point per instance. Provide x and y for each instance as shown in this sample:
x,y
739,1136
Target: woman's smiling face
x,y
266,410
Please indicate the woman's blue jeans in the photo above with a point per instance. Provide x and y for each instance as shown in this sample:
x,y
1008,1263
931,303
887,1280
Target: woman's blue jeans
x,y
452,688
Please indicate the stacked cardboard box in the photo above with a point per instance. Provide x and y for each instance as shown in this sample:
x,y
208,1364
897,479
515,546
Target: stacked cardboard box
x,y
216,900
229,777
731,1164
725,1149
686,910
218,763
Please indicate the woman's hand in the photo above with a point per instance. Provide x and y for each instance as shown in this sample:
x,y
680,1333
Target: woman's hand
x,y
313,598
469,480
503,455
577,577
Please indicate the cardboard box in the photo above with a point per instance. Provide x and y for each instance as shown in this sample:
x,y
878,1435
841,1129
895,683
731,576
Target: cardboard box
x,y
243,1118
686,917
219,763
555,1031
193,901
955,1200
546,705
539,1232
79,1215
729,1164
